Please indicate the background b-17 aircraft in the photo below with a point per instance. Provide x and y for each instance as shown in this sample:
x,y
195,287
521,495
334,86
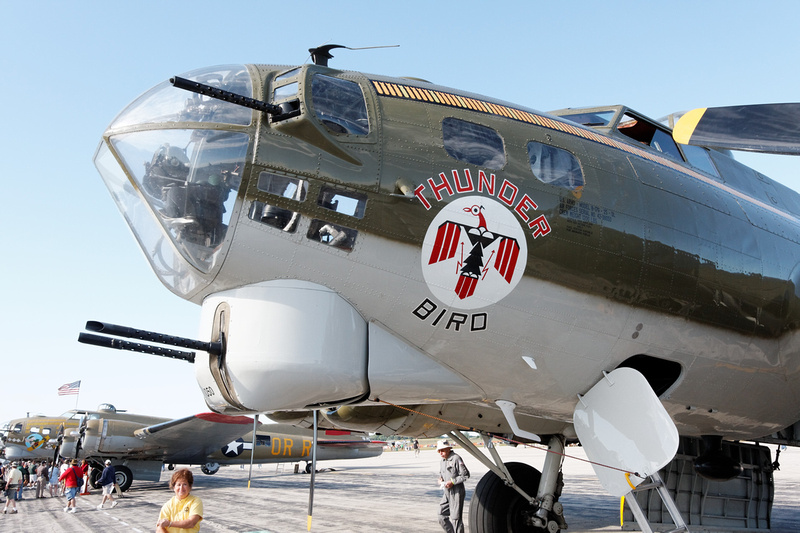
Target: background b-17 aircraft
x,y
139,445
415,259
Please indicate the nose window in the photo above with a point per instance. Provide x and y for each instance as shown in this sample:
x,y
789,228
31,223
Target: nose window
x,y
165,103
189,178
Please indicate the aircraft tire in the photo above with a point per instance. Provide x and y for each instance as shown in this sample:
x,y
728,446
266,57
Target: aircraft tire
x,y
94,478
497,508
124,477
210,468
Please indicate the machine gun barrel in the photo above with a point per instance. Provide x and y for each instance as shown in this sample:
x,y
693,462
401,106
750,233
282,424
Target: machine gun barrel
x,y
108,342
214,348
225,96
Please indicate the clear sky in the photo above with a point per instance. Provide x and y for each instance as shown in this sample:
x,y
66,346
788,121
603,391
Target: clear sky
x,y
69,67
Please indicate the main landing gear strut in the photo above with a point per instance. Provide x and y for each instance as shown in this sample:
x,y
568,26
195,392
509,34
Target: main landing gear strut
x,y
503,500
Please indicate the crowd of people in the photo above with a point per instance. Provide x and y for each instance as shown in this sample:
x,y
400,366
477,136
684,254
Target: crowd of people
x,y
183,512
61,479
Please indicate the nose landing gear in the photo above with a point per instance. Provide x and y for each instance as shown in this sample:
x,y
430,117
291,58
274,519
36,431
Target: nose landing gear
x,y
503,500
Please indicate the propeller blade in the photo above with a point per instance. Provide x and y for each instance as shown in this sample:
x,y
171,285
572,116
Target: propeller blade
x,y
766,128
313,470
59,440
81,433
252,450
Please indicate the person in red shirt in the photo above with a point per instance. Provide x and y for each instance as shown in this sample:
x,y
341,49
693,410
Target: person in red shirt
x,y
72,478
85,477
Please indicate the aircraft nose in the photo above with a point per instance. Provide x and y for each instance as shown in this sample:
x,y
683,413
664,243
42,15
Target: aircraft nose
x,y
180,156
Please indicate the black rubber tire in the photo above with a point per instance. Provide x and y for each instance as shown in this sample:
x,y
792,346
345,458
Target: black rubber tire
x,y
497,508
123,477
209,471
94,478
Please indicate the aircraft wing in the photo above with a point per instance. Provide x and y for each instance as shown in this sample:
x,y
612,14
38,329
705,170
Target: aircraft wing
x,y
194,436
333,438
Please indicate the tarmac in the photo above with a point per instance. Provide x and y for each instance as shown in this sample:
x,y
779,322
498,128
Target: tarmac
x,y
396,492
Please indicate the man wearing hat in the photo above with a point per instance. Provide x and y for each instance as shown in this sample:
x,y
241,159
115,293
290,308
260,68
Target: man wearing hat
x,y
12,481
452,475
72,479
107,479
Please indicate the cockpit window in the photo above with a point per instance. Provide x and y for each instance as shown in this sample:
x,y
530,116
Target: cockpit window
x,y
189,178
555,166
594,119
698,157
472,143
165,103
649,134
339,105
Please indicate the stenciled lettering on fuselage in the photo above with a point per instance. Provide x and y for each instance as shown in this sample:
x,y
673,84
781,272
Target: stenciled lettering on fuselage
x,y
474,252
278,447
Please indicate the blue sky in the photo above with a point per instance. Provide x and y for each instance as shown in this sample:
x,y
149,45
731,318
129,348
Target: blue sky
x,y
69,67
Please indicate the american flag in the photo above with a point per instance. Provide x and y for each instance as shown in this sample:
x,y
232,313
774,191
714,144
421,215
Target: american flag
x,y
70,388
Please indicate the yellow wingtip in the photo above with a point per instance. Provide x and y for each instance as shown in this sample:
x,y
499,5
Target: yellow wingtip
x,y
686,124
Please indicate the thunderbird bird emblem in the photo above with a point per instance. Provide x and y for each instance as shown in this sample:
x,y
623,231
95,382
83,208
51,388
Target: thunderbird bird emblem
x,y
474,253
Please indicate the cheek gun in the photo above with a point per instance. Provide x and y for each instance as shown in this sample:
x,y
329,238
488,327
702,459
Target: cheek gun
x,y
214,348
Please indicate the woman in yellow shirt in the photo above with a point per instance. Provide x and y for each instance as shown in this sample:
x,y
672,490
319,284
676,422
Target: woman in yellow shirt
x,y
183,512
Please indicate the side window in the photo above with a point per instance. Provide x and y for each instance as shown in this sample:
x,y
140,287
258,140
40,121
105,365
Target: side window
x,y
285,93
472,143
333,235
285,187
555,166
698,157
350,203
339,105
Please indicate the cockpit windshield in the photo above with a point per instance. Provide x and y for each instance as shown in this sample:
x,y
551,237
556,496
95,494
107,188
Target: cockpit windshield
x,y
167,155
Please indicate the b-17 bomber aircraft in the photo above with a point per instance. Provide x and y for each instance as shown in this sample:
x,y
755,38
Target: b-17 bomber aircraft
x,y
139,445
406,258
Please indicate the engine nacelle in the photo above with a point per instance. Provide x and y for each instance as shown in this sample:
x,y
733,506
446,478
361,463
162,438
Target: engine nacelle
x,y
293,345
102,436
288,345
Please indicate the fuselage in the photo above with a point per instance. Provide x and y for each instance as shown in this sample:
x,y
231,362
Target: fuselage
x,y
616,250
116,435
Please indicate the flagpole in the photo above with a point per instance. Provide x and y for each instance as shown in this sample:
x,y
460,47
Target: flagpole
x,y
77,396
